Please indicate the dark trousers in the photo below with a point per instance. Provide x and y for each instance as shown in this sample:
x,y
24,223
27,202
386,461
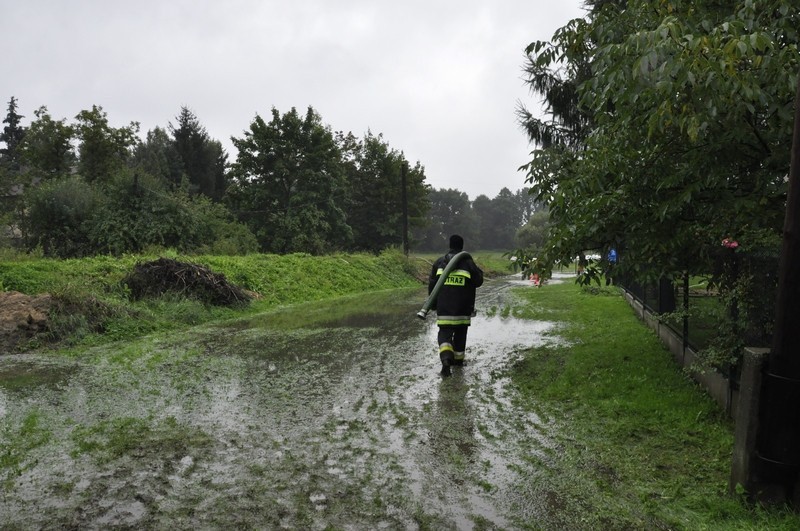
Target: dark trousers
x,y
453,342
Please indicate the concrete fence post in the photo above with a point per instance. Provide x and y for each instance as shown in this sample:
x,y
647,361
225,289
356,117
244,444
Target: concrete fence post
x,y
746,421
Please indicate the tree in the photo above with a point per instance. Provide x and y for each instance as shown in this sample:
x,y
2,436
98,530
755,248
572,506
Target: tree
x,y
689,120
288,177
498,220
685,161
556,70
533,234
139,211
158,156
450,213
204,160
58,215
12,136
103,150
46,149
482,207
527,205
10,166
374,191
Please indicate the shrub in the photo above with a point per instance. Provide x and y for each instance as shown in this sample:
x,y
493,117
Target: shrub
x,y
58,218
138,212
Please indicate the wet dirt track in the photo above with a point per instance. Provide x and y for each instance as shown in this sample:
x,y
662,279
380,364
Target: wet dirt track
x,y
313,417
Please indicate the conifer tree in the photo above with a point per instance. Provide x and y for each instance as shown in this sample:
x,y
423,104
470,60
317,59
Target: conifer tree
x,y
12,136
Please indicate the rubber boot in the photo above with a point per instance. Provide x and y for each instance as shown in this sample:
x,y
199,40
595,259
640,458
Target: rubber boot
x,y
447,360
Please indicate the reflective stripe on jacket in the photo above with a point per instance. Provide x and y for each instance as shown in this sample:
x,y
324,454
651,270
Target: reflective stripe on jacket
x,y
456,300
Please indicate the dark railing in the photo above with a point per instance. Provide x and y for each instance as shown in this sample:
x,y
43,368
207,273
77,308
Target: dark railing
x,y
703,310
668,295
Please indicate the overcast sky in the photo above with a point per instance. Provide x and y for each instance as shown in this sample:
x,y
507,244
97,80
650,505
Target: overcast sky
x,y
439,79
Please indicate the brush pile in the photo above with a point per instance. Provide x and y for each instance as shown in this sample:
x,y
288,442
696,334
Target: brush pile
x,y
153,279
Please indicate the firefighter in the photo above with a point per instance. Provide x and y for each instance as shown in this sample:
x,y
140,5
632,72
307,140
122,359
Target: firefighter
x,y
455,303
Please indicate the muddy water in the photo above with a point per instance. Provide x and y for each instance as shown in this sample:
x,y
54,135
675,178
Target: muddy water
x,y
318,416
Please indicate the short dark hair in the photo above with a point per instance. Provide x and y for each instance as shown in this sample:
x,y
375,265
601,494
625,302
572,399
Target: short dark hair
x,y
456,242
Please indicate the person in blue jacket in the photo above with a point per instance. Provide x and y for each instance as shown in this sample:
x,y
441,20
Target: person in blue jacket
x,y
455,303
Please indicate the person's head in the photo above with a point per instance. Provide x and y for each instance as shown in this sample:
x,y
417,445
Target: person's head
x,y
456,242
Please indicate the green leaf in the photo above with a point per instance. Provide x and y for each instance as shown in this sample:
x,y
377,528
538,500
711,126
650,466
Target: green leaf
x,y
742,47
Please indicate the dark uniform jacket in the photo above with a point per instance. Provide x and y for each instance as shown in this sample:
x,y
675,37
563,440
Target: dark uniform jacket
x,y
455,302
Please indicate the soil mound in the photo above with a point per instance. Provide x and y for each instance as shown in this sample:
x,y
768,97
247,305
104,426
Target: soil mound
x,y
153,279
21,316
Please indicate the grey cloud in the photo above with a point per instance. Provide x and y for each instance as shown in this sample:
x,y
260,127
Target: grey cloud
x,y
438,78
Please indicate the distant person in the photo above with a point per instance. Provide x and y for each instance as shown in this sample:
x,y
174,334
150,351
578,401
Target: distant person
x,y
455,303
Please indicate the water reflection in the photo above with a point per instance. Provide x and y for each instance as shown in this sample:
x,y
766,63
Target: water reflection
x,y
318,411
26,373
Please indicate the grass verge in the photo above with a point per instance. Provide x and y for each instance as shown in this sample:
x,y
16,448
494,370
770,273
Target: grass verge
x,y
643,447
92,305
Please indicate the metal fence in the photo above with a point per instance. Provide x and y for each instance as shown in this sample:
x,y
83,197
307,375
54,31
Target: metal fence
x,y
666,296
750,319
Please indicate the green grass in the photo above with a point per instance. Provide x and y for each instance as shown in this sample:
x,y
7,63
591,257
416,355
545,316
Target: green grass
x,y
111,439
492,262
283,279
17,443
93,306
644,446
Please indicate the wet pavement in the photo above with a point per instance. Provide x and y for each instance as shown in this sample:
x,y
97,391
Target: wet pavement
x,y
319,416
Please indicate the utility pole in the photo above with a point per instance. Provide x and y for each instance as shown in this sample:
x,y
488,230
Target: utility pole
x,y
404,199
778,441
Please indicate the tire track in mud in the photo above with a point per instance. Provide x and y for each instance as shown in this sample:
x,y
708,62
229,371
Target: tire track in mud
x,y
342,421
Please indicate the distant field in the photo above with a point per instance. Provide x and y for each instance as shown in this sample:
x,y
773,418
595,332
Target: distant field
x,y
492,262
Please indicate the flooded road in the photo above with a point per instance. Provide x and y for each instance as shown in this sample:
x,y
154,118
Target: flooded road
x,y
326,415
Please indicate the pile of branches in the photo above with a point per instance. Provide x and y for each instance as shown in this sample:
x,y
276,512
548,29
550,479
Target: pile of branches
x,y
153,279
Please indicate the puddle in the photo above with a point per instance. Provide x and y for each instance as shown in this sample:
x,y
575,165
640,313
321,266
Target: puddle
x,y
558,277
321,415
25,373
